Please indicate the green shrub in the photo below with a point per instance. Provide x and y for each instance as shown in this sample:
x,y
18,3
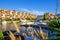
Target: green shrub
x,y
55,25
8,19
1,35
31,18
16,19
27,18
34,18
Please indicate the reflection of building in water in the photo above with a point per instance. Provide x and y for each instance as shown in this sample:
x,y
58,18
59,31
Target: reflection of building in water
x,y
0,26
7,26
14,14
4,25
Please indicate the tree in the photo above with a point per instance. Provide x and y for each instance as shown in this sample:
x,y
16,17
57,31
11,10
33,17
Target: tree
x,y
46,16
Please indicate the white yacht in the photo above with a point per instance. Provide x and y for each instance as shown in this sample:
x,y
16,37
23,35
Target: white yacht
x,y
23,22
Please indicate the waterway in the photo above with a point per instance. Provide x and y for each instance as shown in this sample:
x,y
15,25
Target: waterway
x,y
27,32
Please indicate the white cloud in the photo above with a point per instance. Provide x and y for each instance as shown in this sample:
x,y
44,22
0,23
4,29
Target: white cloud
x,y
23,9
32,11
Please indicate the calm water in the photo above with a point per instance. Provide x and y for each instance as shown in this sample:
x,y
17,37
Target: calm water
x,y
25,31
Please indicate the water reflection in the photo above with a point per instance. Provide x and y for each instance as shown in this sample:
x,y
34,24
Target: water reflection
x,y
27,32
0,26
6,26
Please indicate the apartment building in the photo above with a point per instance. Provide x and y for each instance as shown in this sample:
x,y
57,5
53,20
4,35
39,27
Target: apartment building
x,y
53,16
4,14
50,16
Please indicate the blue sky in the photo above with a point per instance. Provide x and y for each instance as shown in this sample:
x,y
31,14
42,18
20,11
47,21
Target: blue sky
x,y
34,6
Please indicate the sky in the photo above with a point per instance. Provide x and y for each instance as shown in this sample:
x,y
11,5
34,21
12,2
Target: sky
x,y
38,7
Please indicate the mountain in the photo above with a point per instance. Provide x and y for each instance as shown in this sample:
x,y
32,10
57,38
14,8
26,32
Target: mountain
x,y
40,16
58,14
